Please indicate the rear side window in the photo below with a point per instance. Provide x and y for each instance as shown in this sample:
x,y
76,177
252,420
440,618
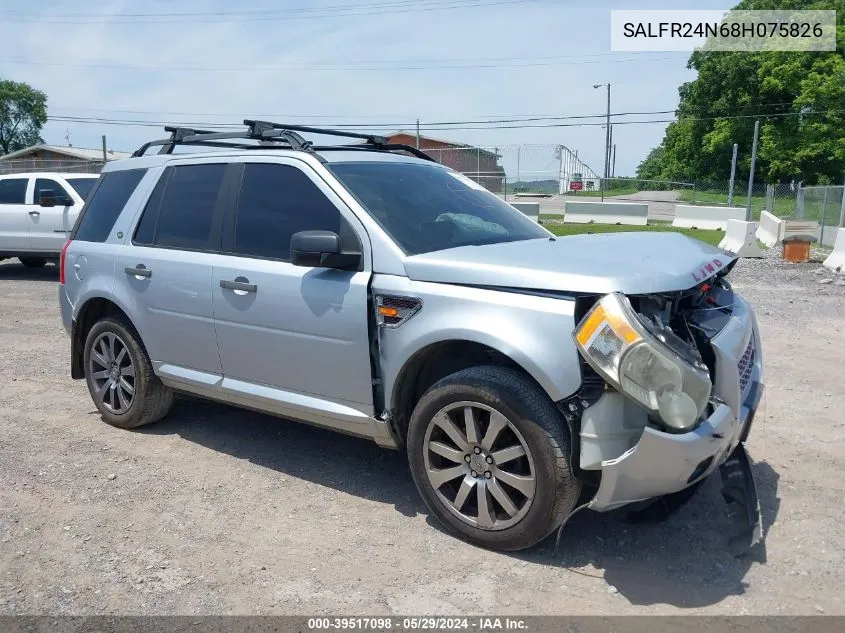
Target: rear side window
x,y
180,213
276,201
105,204
82,186
13,190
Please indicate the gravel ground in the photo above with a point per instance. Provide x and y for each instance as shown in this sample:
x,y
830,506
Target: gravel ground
x,y
218,510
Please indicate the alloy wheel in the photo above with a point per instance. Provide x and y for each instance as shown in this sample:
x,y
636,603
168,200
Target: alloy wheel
x,y
112,373
479,465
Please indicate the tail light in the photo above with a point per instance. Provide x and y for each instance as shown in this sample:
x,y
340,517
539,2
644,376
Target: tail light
x,y
62,263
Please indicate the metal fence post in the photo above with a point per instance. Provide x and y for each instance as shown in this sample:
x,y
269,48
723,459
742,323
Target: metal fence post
x,y
748,214
799,202
824,216
733,177
842,209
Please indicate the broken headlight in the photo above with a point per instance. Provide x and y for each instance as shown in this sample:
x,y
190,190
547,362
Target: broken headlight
x,y
616,344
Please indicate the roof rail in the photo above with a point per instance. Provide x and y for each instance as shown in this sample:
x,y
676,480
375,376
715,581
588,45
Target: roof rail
x,y
271,135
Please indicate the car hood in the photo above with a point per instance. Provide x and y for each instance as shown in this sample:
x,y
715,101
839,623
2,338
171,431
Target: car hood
x,y
631,263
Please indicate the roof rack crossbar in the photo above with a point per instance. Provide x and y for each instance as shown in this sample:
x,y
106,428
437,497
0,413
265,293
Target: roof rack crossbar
x,y
373,138
268,134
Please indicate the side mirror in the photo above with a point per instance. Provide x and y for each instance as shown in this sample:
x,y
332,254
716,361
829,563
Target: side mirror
x,y
46,198
321,249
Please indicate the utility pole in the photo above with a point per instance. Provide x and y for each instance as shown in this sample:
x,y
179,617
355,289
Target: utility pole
x,y
751,173
418,133
609,151
560,177
105,153
733,177
613,167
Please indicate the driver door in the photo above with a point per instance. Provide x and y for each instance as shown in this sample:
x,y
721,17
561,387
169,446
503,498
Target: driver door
x,y
49,226
292,339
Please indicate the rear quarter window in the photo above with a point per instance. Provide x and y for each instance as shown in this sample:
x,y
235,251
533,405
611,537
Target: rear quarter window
x,y
105,204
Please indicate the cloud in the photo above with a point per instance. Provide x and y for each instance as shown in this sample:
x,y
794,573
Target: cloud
x,y
87,86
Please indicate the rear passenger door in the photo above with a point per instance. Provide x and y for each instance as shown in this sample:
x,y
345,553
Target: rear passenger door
x,y
296,340
49,226
166,275
14,235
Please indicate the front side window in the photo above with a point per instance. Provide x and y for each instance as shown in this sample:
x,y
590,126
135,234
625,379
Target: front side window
x,y
48,184
427,208
13,190
180,213
276,201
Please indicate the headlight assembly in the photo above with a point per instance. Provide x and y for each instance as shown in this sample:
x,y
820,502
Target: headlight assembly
x,y
618,346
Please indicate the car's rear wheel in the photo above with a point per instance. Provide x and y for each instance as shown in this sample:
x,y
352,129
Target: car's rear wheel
x,y
33,262
120,376
489,454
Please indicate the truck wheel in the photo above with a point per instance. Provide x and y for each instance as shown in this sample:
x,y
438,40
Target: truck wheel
x,y
33,262
489,454
120,376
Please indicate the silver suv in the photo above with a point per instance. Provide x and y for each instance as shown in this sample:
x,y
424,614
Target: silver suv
x,y
367,289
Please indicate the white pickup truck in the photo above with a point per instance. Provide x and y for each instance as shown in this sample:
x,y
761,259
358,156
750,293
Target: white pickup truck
x,y
37,212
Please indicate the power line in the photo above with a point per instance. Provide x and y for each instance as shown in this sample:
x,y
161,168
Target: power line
x,y
456,125
487,117
310,68
338,11
392,4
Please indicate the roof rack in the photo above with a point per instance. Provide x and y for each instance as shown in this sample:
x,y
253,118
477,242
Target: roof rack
x,y
272,136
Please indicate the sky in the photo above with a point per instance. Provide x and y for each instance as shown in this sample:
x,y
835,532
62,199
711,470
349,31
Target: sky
x,y
345,62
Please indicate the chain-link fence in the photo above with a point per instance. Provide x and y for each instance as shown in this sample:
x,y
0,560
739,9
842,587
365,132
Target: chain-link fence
x,y
64,165
514,170
824,204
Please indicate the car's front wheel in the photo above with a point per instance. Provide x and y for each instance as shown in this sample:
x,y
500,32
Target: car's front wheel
x,y
120,376
489,454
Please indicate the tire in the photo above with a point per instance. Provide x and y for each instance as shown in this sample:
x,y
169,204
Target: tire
x,y
532,421
150,400
33,262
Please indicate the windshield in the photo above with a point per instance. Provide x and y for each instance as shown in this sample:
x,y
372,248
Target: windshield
x,y
82,186
427,208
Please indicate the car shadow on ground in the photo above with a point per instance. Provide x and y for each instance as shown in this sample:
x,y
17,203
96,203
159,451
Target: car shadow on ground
x,y
682,561
13,270
353,465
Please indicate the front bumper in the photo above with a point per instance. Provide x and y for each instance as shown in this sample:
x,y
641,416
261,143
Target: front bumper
x,y
662,463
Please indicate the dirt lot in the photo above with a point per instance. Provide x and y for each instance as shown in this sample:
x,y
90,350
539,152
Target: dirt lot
x,y
216,510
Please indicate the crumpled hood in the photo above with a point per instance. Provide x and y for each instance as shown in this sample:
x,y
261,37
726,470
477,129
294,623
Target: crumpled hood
x,y
631,263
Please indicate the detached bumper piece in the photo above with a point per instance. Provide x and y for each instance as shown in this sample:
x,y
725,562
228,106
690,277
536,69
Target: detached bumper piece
x,y
740,493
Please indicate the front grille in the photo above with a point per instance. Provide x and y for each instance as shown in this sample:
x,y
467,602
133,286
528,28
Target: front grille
x,y
746,366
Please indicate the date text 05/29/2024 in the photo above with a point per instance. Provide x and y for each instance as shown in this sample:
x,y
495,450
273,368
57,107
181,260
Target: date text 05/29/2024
x,y
480,624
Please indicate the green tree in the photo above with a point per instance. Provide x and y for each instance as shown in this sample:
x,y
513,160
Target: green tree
x,y
23,112
799,98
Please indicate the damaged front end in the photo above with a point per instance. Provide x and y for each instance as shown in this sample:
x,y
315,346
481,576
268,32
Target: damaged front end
x,y
681,377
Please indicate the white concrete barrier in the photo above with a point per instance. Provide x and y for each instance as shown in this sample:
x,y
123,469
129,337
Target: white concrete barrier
x,y
695,217
836,260
769,231
531,209
577,212
740,239
799,227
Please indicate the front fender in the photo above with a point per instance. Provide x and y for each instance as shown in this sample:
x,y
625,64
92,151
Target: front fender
x,y
533,331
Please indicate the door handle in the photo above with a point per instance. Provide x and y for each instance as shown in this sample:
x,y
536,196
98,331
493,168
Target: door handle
x,y
138,271
240,284
35,213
